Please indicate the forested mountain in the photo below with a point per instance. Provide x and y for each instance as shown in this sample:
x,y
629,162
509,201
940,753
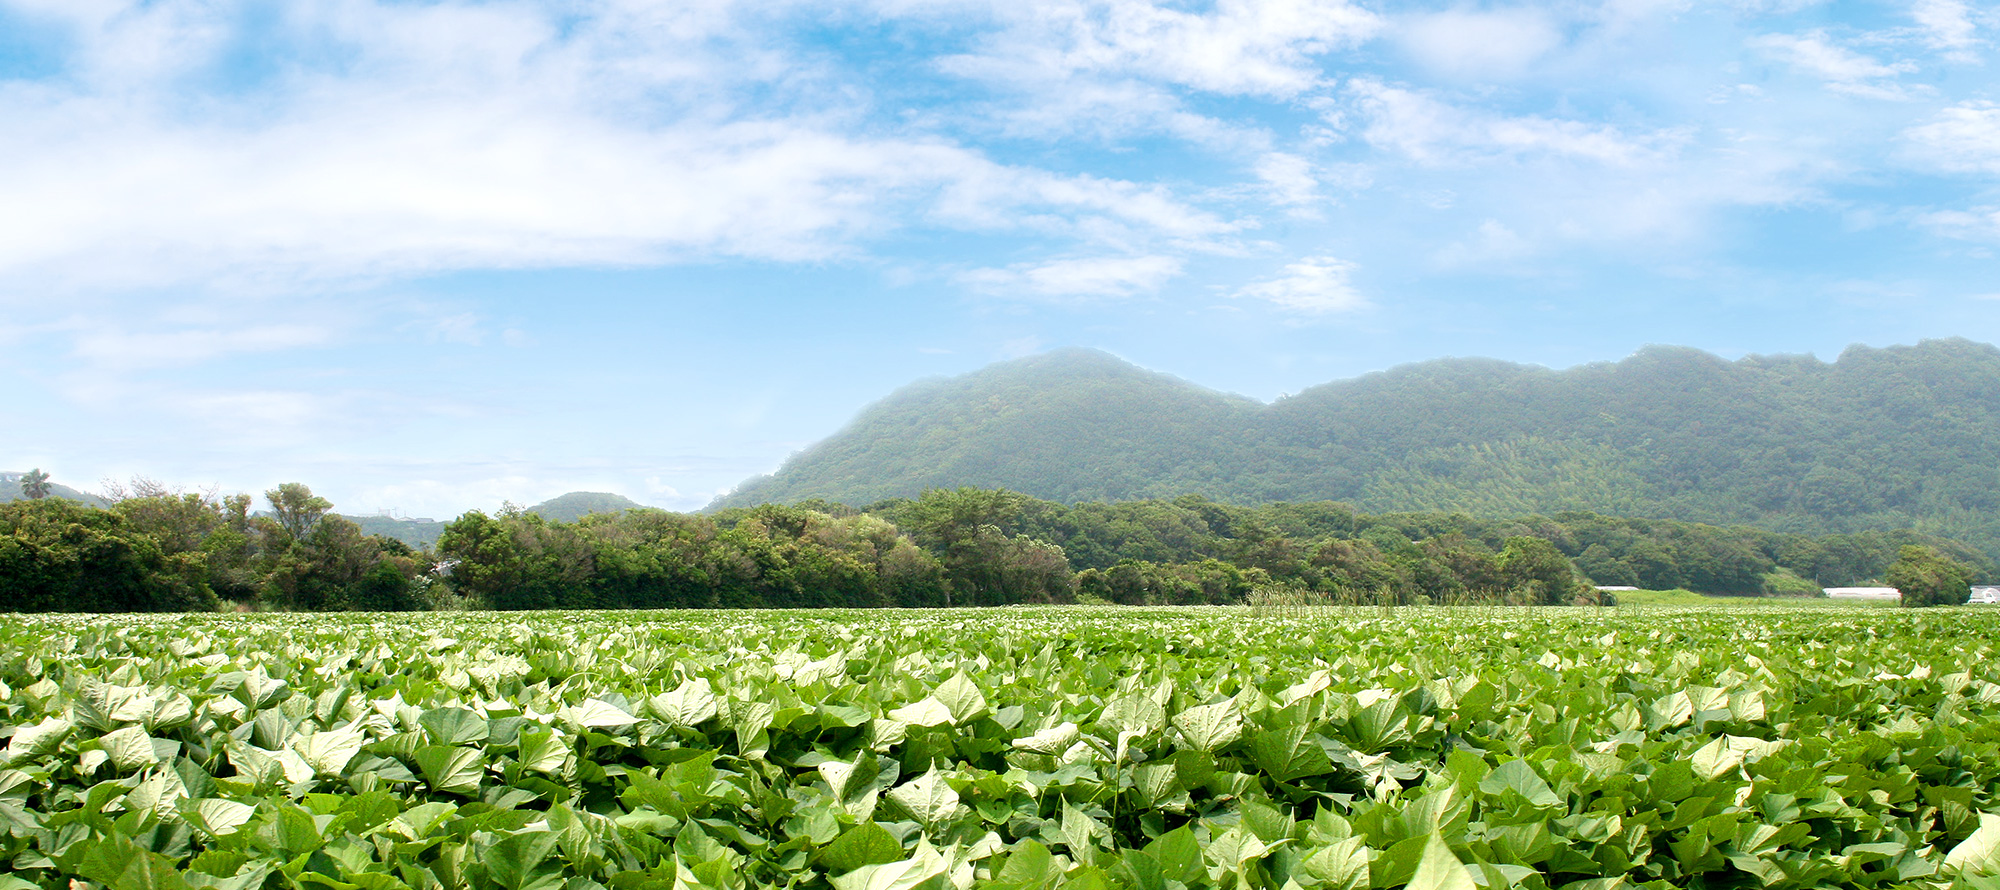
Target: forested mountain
x,y
414,532
1902,437
562,508
578,504
1070,425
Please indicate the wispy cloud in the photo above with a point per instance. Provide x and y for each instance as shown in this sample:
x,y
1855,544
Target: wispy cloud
x,y
1841,69
1947,26
130,349
1313,286
1289,180
1429,130
1103,277
1239,47
1492,243
1964,138
457,137
1975,224
1469,43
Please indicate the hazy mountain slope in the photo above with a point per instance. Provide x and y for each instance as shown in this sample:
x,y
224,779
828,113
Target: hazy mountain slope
x,y
578,504
417,533
1074,424
10,489
1900,437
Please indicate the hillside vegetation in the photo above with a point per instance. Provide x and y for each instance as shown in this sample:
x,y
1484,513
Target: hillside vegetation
x,y
578,504
949,547
1902,437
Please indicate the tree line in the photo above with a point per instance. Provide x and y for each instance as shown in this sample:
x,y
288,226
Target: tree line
x,y
158,550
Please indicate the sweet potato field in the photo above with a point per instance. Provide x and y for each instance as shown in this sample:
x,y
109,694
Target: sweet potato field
x,y
1438,749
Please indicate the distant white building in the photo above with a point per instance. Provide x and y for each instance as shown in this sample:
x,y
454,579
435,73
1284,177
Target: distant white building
x,y
1864,593
1988,595
1614,588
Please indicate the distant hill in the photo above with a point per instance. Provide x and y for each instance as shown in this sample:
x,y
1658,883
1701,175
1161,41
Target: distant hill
x,y
10,490
578,504
419,533
1074,424
1902,437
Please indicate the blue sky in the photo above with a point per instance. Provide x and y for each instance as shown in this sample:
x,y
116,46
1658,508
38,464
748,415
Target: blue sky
x,y
427,257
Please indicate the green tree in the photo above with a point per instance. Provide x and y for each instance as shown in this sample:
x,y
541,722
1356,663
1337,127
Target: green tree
x,y
35,484
337,568
57,555
297,508
1536,566
518,561
1927,577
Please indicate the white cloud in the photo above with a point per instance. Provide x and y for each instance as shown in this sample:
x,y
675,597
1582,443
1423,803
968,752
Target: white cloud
x,y
126,349
1312,286
1964,138
1947,25
1113,277
1288,179
1052,104
1480,43
268,415
1021,347
1428,130
464,328
990,196
455,136
1493,242
1241,47
1841,69
1977,224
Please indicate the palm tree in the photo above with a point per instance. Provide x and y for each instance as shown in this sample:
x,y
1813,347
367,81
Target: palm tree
x,y
35,484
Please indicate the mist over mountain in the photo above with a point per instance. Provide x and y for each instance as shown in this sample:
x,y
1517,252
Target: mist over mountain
x,y
10,490
1898,437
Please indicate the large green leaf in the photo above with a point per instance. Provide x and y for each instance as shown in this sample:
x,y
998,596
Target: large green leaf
x,y
218,817
926,868
1289,753
1030,867
119,864
928,797
692,703
1979,853
1053,740
1517,777
962,697
1342,865
1210,727
453,726
1440,869
329,752
598,714
1136,713
927,712
511,861
543,750
39,738
452,769
129,748
865,844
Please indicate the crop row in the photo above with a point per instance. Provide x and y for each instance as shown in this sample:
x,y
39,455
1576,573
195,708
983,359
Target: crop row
x,y
1151,750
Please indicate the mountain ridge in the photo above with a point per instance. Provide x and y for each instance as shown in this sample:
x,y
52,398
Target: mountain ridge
x,y
1900,436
